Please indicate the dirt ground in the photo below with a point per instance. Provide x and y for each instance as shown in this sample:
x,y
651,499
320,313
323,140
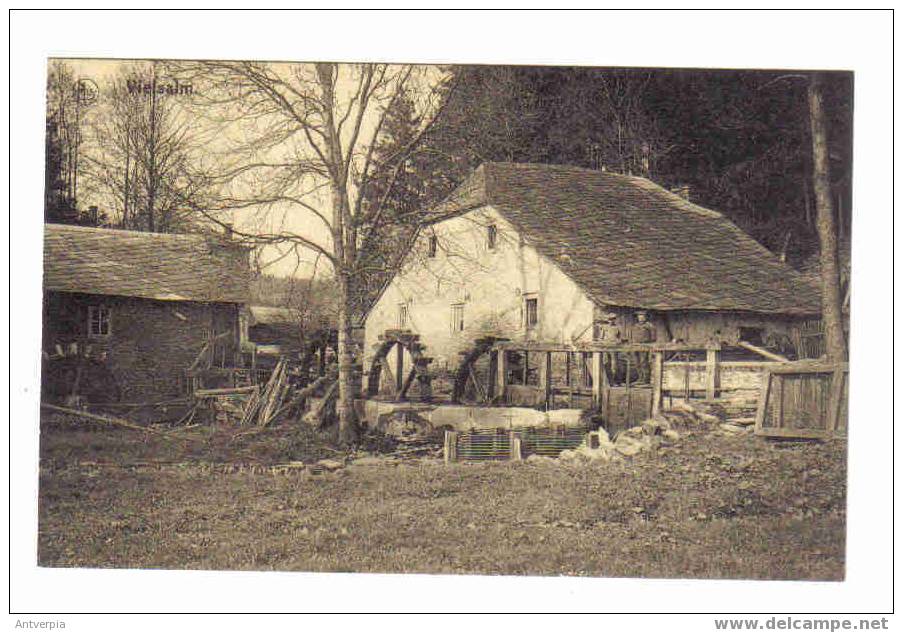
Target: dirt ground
x,y
709,506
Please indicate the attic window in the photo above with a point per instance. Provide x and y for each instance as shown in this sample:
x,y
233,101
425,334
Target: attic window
x,y
491,236
434,246
98,321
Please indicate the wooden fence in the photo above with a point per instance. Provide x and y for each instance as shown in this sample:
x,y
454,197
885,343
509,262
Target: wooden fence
x,y
804,399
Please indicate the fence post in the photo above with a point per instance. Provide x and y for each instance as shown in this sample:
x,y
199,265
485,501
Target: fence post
x,y
501,373
515,446
450,450
547,379
712,371
596,371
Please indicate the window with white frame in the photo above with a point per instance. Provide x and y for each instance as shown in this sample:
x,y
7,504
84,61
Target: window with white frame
x,y
98,321
457,317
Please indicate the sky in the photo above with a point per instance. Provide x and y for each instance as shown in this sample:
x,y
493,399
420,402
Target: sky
x,y
233,140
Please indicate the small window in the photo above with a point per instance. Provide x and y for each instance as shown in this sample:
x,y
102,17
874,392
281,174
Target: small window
x,y
434,245
402,315
492,234
457,317
531,312
98,321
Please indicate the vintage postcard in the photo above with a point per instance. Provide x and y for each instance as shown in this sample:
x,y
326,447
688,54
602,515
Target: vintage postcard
x,y
456,319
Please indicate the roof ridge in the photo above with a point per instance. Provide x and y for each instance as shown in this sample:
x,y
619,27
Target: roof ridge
x,y
98,230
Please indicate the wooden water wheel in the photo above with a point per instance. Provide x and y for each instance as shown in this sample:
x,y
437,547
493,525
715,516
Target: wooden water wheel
x,y
76,373
402,340
315,349
468,388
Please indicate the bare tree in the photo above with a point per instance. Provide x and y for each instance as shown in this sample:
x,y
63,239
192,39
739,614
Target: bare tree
x,y
835,343
300,139
63,138
143,153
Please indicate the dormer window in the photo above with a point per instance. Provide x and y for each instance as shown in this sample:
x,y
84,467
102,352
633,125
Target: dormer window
x,y
433,246
491,236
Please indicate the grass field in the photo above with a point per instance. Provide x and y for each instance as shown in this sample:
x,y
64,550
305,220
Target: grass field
x,y
708,507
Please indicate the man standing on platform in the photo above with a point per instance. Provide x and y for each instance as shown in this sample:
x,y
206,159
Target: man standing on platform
x,y
608,333
642,332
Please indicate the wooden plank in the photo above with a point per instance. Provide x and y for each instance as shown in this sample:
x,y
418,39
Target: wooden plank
x,y
450,448
835,401
536,346
206,393
809,367
779,399
763,400
803,434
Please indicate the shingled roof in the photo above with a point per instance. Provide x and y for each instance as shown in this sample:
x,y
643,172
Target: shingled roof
x,y
159,266
629,242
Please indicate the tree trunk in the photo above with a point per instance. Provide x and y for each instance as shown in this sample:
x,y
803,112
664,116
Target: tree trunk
x,y
835,345
345,402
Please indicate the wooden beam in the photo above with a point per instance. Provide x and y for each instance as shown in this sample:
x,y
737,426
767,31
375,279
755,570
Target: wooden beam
x,y
407,384
399,367
712,373
762,352
104,419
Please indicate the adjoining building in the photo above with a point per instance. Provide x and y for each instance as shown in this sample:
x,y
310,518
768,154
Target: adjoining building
x,y
126,313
